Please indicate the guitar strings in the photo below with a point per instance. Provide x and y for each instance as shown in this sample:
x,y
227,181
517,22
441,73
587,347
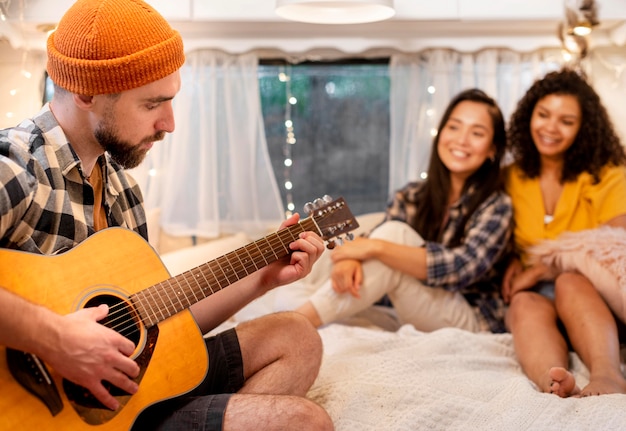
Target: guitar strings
x,y
124,316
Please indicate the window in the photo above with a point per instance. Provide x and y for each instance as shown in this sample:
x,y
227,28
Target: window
x,y
327,130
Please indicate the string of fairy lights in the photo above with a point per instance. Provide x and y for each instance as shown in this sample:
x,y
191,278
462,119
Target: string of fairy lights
x,y
290,139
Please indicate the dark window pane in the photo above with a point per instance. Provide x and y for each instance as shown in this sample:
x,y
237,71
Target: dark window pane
x,y
341,127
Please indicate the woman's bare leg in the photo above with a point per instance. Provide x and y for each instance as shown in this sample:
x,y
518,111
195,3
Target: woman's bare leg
x,y
540,348
592,331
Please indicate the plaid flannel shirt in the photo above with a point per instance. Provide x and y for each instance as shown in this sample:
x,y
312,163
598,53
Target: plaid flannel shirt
x,y
46,205
472,268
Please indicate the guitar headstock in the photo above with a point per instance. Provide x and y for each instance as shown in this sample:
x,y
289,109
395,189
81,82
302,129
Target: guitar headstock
x,y
333,218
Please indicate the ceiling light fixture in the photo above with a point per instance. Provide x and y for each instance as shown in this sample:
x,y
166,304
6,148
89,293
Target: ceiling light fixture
x,y
581,29
335,11
581,16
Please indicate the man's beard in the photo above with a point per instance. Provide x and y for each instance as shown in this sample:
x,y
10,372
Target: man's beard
x,y
122,152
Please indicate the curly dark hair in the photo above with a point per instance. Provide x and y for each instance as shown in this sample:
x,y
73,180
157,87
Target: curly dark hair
x,y
596,144
433,202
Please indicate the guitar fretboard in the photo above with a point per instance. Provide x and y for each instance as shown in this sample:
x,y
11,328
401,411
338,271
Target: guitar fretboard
x,y
171,296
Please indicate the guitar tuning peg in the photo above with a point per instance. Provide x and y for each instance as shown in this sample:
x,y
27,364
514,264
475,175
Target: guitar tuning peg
x,y
331,244
327,199
350,236
308,208
318,203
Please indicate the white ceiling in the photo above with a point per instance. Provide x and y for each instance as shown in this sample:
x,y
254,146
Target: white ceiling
x,y
241,25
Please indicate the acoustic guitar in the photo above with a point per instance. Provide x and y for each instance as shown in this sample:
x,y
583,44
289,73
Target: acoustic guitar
x,y
118,267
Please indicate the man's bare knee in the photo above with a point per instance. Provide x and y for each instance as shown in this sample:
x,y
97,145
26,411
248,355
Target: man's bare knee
x,y
268,412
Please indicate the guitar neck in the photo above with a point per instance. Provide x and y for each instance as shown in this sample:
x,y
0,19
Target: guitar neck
x,y
158,302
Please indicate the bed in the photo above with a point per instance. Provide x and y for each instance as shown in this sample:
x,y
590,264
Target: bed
x,y
379,375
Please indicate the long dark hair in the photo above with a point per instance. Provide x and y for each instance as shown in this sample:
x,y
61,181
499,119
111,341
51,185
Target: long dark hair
x,y
432,204
596,143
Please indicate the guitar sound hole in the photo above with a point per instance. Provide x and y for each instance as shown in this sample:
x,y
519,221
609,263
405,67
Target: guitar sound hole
x,y
121,318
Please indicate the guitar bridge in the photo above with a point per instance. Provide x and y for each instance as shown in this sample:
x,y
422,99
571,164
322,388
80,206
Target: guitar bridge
x,y
30,372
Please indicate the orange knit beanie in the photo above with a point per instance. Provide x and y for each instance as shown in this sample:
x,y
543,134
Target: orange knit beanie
x,y
109,46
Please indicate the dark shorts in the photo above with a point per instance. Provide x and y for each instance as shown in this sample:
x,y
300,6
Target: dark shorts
x,y
203,408
545,288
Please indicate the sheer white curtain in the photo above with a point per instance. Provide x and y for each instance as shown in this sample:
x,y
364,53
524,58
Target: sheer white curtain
x,y
21,76
606,67
422,84
213,174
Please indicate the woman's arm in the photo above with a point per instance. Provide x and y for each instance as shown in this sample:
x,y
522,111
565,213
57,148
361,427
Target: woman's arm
x,y
486,237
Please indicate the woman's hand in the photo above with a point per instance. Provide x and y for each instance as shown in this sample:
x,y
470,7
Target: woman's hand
x,y
512,271
358,249
517,279
347,276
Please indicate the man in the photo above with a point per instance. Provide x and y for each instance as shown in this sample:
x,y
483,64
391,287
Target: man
x,y
115,65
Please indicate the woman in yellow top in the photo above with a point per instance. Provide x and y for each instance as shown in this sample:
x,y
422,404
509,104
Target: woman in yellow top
x,y
568,175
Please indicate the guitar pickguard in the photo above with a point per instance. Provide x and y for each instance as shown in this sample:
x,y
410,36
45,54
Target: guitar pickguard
x,y
89,408
34,376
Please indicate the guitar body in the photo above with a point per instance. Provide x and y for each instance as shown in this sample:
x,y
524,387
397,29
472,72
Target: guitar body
x,y
115,264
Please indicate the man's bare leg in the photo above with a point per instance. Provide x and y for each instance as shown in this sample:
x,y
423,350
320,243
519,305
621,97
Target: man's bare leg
x,y
282,355
274,413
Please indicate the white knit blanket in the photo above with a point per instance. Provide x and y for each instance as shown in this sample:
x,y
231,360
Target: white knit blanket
x,y
446,380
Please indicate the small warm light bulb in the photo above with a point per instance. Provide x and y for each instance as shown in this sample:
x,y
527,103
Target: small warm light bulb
x,y
567,56
582,30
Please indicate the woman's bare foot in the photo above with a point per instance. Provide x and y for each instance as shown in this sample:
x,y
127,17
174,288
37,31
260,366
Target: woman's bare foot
x,y
563,382
605,384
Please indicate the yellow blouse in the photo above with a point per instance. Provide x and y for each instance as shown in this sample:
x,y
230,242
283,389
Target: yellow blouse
x,y
582,205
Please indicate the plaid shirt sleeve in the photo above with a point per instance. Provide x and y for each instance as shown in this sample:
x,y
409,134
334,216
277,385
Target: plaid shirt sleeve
x,y
486,236
16,193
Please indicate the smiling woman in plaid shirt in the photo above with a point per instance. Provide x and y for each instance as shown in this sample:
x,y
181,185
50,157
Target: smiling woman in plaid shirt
x,y
435,256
